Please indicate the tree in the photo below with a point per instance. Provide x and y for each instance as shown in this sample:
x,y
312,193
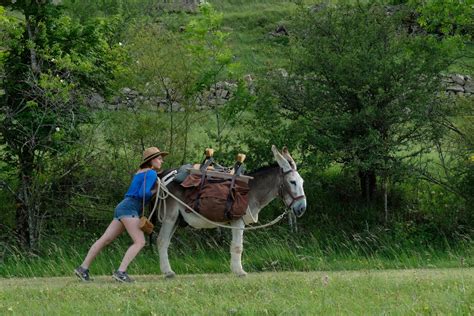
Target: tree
x,y
447,18
51,63
367,89
182,68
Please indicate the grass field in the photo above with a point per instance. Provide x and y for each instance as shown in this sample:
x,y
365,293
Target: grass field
x,y
193,252
395,292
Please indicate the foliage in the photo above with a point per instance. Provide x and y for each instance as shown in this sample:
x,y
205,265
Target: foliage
x,y
365,88
181,69
85,9
453,169
51,63
212,63
84,168
447,18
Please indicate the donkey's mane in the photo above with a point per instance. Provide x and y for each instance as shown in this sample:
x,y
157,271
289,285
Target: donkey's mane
x,y
263,170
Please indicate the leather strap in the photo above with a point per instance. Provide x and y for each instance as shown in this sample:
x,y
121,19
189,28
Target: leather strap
x,y
144,192
203,169
231,196
285,186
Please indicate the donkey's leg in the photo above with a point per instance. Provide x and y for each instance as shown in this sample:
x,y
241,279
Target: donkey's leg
x,y
236,248
164,237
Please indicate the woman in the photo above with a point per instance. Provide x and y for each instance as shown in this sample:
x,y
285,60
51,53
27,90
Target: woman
x,y
127,216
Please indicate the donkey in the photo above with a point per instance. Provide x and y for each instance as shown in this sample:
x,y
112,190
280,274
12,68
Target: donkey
x,y
282,180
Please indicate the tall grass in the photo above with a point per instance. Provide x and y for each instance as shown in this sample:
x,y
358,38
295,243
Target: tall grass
x,y
272,250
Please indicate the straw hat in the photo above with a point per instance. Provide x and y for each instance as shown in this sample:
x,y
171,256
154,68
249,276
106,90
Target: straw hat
x,y
151,153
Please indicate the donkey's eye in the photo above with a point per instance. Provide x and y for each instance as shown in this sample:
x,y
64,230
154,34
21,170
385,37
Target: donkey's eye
x,y
293,182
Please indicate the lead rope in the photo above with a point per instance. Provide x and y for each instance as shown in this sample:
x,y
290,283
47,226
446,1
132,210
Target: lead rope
x,y
167,193
160,195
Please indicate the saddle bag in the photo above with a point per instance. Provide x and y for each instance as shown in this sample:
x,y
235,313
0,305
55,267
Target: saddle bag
x,y
146,225
219,200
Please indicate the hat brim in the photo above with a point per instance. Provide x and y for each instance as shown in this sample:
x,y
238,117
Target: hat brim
x,y
161,153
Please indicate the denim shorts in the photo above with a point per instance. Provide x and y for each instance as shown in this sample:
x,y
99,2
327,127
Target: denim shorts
x,y
129,207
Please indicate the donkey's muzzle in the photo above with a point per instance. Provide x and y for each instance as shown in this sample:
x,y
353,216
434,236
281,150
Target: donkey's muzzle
x,y
299,209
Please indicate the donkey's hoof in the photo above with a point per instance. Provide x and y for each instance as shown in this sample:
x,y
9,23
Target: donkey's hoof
x,y
170,275
241,274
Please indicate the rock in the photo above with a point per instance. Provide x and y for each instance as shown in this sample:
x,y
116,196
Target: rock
x,y
250,83
469,86
230,86
248,78
455,88
175,107
125,90
318,7
133,93
95,100
281,30
282,72
162,106
446,79
460,94
458,79
224,94
392,9
227,29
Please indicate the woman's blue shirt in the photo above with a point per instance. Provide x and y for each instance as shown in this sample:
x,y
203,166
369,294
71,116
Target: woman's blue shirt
x,y
136,189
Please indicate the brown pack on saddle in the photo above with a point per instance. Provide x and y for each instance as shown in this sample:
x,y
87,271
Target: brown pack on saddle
x,y
218,196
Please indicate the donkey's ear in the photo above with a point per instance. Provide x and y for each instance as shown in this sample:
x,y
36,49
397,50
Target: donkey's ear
x,y
287,156
282,162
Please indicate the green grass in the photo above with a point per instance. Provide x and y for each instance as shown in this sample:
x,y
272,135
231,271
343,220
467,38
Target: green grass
x,y
194,252
403,292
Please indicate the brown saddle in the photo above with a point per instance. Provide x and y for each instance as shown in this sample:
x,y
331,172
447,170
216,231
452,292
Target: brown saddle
x,y
217,199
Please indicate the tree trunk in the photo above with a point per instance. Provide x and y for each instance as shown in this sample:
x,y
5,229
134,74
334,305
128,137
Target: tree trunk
x,y
27,206
32,30
186,132
170,107
21,220
26,214
385,198
368,184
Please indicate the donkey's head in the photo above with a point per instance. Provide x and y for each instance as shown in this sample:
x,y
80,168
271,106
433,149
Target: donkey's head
x,y
291,188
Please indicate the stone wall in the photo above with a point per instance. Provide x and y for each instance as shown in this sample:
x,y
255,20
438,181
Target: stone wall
x,y
221,92
461,85
131,99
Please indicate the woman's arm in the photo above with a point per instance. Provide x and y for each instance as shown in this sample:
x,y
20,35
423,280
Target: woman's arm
x,y
149,183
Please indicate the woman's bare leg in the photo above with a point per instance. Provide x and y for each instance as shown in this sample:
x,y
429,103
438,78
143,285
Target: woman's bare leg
x,y
113,231
132,225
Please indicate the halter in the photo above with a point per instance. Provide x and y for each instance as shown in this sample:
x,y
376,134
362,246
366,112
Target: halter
x,y
284,185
